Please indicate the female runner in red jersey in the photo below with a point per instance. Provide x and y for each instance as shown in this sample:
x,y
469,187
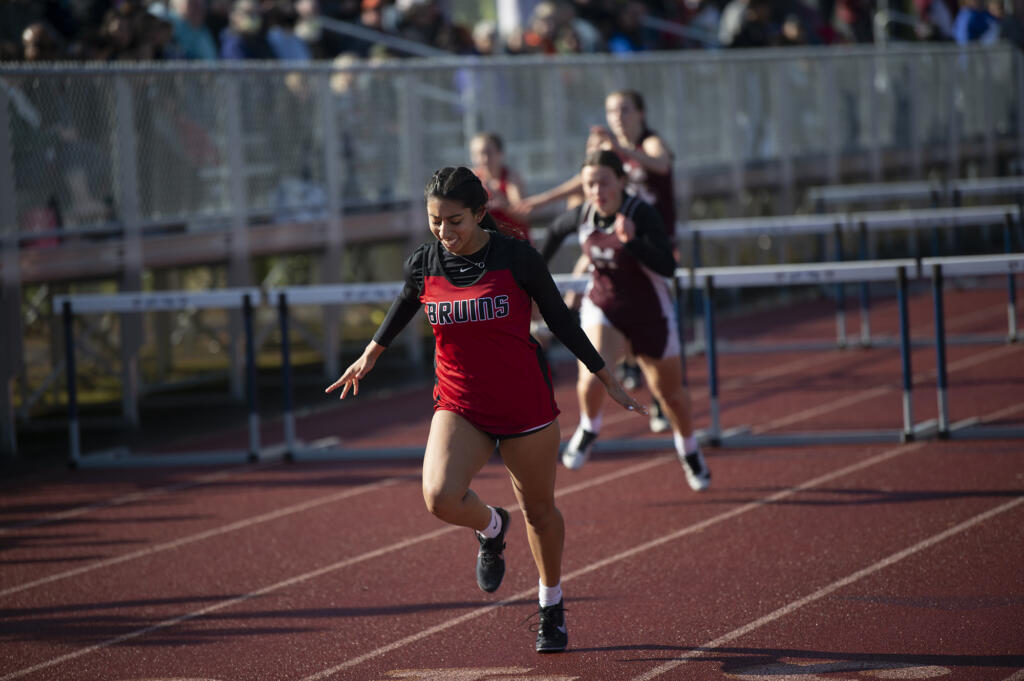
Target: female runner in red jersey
x,y
493,386
504,185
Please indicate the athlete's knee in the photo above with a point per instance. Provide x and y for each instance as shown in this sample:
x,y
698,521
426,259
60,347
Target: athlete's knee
x,y
541,513
441,501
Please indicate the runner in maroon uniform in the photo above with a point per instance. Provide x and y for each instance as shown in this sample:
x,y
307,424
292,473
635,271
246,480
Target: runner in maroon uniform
x,y
477,288
627,305
647,160
646,157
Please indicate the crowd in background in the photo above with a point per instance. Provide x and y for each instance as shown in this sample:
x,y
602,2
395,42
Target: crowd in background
x,y
107,30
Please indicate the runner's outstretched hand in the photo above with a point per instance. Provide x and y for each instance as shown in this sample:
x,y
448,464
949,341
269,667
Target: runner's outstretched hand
x,y
357,371
618,393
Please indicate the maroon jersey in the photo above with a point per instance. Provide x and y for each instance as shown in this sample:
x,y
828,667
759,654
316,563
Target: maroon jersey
x,y
488,367
627,280
654,188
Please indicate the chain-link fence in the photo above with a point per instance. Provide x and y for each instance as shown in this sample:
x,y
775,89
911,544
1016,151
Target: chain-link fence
x,y
191,129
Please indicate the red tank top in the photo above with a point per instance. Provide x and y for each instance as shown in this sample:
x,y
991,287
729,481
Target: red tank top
x,y
488,368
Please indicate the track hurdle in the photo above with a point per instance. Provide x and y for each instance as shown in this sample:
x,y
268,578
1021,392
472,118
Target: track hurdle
x,y
327,294
712,278
862,223
938,269
950,192
827,196
68,306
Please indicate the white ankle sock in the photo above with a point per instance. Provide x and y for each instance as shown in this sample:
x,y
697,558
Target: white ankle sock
x,y
492,530
684,445
549,595
591,424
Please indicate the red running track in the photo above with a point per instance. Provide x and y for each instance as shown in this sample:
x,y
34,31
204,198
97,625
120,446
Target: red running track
x,y
886,561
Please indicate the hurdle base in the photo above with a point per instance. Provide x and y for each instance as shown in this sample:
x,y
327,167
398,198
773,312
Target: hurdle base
x,y
810,438
123,457
976,429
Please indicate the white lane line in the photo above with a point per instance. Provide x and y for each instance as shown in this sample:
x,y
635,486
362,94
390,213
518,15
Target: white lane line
x,y
826,590
131,498
398,546
1018,676
213,532
618,557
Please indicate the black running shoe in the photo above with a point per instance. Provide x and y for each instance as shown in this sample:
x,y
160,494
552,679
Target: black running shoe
x,y
490,560
552,636
698,475
578,450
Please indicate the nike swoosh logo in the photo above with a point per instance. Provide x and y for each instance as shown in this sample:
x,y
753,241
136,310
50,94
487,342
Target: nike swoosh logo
x,y
464,269
562,629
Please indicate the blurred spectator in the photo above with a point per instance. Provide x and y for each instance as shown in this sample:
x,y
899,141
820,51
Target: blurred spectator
x,y
486,40
703,16
935,19
281,20
321,42
454,38
630,34
793,32
304,29
757,28
218,18
191,38
1011,29
600,15
574,28
732,21
539,36
244,37
376,16
40,42
422,22
854,20
975,24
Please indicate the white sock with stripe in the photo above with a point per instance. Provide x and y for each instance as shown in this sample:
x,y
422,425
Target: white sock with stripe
x,y
492,530
684,445
591,424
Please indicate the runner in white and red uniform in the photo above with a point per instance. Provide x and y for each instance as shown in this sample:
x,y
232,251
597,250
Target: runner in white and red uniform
x,y
627,305
477,288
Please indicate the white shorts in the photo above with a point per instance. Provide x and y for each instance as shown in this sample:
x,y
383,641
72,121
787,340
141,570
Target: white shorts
x,y
657,338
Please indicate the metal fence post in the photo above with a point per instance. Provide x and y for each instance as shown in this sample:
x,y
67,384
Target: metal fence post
x,y
131,276
10,293
412,127
239,272
335,236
